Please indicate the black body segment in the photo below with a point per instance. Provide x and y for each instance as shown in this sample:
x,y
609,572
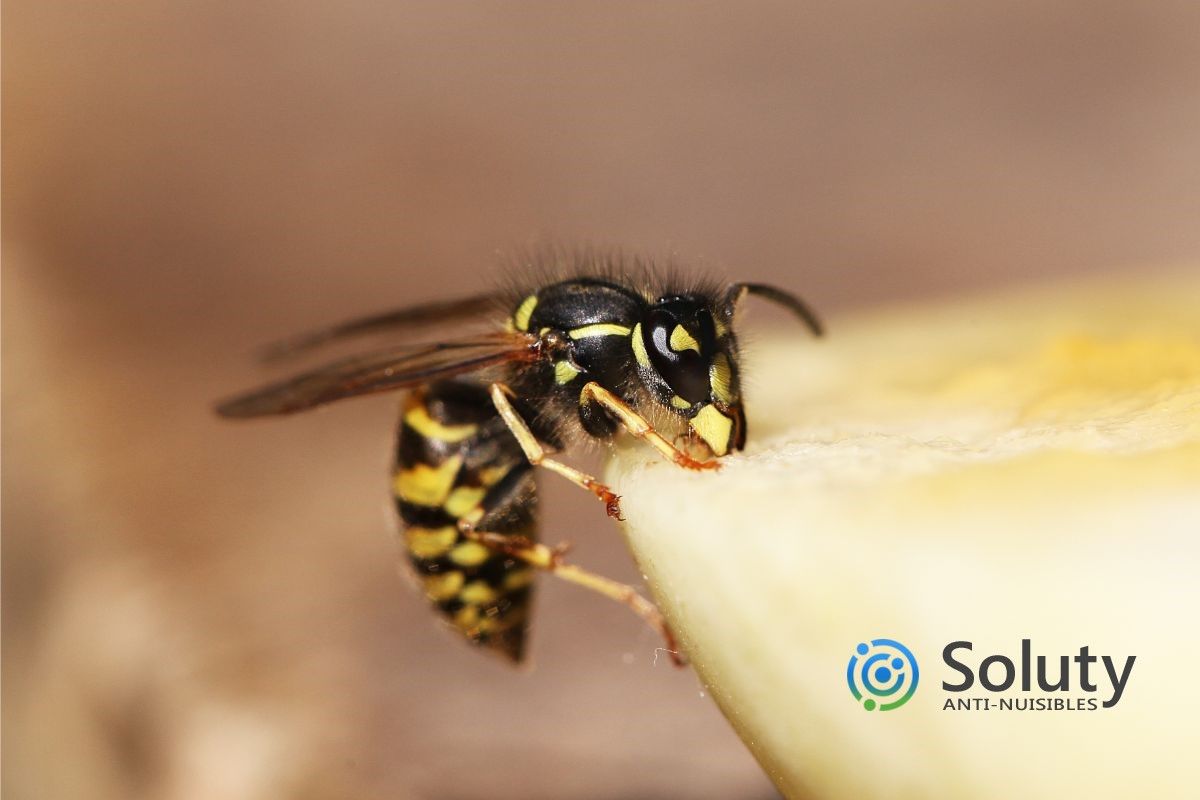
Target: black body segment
x,y
595,319
454,455
571,304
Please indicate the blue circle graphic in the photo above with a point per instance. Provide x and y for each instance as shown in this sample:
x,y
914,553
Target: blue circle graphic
x,y
889,673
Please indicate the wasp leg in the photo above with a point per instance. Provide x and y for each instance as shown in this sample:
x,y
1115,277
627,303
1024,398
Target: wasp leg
x,y
636,424
550,559
537,454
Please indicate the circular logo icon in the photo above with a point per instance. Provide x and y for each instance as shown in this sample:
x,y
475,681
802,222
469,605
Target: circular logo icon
x,y
885,673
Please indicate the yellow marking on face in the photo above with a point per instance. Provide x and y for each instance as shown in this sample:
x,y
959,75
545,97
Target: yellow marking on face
x,y
599,329
720,326
720,378
680,403
682,340
565,372
477,593
463,499
639,347
518,579
524,312
470,554
430,543
443,586
419,420
423,485
714,428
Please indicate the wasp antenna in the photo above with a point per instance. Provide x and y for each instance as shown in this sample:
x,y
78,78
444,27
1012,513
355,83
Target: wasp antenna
x,y
778,296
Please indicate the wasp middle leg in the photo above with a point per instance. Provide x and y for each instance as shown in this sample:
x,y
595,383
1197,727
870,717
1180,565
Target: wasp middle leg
x,y
632,421
536,453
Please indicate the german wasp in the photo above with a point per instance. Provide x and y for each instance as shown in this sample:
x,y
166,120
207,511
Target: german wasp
x,y
583,353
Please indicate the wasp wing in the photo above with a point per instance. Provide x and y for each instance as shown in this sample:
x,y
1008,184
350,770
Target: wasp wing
x,y
427,314
382,371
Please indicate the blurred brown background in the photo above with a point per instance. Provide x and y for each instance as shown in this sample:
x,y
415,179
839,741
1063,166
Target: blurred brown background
x,y
197,609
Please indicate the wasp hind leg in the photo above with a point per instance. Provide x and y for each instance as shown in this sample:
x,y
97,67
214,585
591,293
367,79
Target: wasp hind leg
x,y
473,525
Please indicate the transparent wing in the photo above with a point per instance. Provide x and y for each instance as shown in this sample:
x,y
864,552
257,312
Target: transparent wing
x,y
382,371
428,314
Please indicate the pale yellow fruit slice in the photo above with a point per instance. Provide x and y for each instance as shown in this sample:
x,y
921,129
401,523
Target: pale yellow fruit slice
x,y
1020,467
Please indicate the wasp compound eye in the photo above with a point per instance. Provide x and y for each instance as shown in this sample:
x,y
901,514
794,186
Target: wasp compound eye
x,y
680,340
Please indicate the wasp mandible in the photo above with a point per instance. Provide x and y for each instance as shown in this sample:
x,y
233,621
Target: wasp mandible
x,y
571,358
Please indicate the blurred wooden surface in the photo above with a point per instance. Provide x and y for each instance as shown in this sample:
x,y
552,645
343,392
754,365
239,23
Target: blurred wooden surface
x,y
199,609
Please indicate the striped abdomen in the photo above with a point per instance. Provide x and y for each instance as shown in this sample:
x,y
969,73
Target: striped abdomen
x,y
453,455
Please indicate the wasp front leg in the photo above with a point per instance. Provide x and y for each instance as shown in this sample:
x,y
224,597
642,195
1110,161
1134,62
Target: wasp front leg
x,y
637,425
536,453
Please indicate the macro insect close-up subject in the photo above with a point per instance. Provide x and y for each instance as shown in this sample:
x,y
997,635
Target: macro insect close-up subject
x,y
810,391
570,359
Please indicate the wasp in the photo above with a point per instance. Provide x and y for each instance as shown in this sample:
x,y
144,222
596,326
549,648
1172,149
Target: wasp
x,y
574,357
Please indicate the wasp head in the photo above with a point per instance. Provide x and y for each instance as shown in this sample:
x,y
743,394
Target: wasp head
x,y
686,358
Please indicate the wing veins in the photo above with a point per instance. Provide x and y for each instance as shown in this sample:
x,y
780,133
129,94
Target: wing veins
x,y
425,314
386,370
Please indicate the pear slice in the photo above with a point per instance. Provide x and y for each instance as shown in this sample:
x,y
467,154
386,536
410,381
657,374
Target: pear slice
x,y
1024,467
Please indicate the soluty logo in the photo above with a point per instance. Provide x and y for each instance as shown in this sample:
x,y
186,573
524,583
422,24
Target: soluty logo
x,y
886,672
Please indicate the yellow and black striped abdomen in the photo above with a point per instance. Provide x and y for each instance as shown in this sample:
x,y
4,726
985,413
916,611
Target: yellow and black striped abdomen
x,y
455,456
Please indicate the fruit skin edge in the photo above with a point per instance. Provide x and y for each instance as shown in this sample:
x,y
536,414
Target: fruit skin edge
x,y
1063,505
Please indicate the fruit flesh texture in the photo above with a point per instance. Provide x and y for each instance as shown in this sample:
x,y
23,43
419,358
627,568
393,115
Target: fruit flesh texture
x,y
1022,466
